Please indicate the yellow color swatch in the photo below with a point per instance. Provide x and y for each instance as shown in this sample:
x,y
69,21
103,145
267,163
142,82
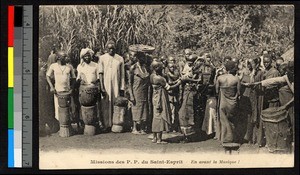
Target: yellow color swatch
x,y
10,67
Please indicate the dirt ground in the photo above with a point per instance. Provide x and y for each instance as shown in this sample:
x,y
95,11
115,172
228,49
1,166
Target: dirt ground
x,y
127,140
78,152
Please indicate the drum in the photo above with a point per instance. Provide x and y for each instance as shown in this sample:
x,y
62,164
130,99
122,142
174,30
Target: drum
x,y
277,129
89,116
88,95
64,121
64,115
64,99
118,119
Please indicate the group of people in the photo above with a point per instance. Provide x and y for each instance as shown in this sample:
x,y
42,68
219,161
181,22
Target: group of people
x,y
189,95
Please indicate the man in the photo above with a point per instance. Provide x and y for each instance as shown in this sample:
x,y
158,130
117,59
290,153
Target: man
x,y
278,62
87,72
265,53
271,94
286,82
112,81
228,87
63,75
52,56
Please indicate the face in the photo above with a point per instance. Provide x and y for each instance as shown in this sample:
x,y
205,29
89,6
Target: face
x,y
189,63
187,54
171,67
208,59
278,63
250,64
282,70
111,49
171,60
142,59
267,62
225,61
63,60
159,68
87,58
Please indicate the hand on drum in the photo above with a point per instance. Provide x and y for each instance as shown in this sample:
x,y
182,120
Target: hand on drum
x,y
103,92
52,89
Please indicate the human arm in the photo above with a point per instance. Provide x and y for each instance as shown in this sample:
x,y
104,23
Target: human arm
x,y
48,74
131,80
122,76
101,76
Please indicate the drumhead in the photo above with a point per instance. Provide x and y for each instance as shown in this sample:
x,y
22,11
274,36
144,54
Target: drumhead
x,y
64,93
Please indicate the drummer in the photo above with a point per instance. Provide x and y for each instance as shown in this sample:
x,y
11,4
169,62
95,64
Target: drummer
x,y
63,75
88,70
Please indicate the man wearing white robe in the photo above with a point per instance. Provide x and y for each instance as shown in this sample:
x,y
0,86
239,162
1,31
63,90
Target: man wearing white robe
x,y
112,81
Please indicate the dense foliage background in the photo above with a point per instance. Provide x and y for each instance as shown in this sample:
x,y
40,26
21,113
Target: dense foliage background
x,y
240,31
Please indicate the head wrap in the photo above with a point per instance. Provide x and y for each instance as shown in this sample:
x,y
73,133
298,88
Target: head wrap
x,y
85,51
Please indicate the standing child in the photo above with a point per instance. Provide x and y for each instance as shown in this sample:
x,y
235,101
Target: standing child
x,y
173,75
161,106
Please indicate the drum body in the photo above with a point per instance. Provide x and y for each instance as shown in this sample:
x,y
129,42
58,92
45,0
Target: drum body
x,y
88,95
64,121
64,115
89,116
118,119
277,129
278,136
64,99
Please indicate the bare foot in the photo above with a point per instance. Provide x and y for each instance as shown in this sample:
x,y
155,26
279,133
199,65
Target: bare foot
x,y
143,132
135,132
161,142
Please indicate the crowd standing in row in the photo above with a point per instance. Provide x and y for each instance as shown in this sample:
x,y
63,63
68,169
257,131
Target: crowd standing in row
x,y
169,94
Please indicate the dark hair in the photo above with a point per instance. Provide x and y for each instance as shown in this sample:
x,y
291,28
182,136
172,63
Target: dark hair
x,y
257,60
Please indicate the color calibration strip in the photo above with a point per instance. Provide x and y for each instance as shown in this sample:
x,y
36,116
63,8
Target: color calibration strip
x,y
19,86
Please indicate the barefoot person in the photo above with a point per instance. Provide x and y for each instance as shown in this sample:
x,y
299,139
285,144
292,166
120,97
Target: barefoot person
x,y
112,81
63,75
228,87
139,87
161,106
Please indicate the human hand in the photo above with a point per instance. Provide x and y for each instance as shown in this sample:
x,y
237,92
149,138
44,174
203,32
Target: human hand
x,y
52,89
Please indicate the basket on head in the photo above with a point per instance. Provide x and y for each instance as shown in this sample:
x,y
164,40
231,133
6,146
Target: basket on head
x,y
141,48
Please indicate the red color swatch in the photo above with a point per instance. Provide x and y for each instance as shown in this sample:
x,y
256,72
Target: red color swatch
x,y
11,17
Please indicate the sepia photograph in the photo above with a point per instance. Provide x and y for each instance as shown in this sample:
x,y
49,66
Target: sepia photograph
x,y
166,86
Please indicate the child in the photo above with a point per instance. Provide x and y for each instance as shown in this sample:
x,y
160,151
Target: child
x,y
161,106
173,75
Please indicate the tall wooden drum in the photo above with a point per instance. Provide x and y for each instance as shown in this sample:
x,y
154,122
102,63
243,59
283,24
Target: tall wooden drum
x,y
88,94
64,99
64,120
89,116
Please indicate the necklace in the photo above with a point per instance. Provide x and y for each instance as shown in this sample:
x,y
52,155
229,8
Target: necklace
x,y
64,68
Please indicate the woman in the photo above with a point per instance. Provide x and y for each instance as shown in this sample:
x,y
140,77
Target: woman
x,y
161,106
188,107
139,84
